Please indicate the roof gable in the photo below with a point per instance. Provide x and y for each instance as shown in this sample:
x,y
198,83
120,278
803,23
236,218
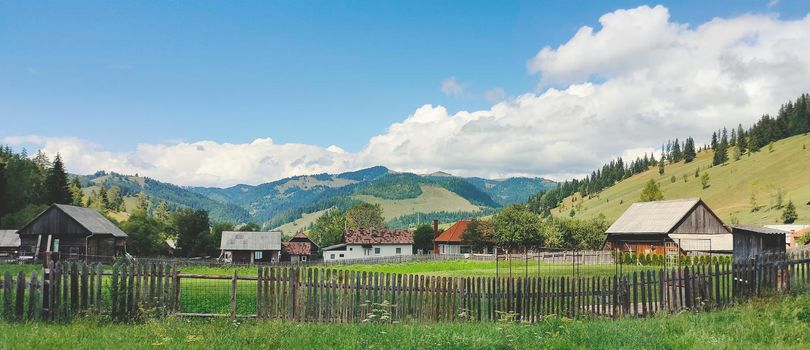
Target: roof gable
x,y
238,240
658,217
90,220
453,233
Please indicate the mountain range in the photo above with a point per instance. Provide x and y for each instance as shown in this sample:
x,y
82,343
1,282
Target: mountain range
x,y
406,198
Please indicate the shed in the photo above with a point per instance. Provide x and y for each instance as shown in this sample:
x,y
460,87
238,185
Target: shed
x,y
9,243
72,232
753,241
679,226
299,249
249,247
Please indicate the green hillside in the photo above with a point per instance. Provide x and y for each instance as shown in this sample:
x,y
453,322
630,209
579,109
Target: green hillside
x,y
762,174
431,198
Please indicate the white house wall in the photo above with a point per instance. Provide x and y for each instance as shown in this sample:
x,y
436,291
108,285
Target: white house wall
x,y
356,251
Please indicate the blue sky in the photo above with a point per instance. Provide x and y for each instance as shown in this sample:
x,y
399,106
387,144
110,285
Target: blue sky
x,y
319,73
119,74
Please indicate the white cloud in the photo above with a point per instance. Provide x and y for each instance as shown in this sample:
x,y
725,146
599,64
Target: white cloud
x,y
773,3
452,87
620,90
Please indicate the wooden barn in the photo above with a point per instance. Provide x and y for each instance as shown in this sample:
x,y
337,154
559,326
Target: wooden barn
x,y
250,247
682,226
299,249
753,241
72,232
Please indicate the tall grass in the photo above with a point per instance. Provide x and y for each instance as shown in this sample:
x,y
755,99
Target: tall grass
x,y
782,323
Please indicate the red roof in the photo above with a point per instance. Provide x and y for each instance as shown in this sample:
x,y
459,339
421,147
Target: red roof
x,y
453,233
378,236
300,234
296,248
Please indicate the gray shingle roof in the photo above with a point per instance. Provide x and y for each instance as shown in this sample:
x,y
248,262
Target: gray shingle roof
x,y
760,229
92,220
653,217
9,238
236,240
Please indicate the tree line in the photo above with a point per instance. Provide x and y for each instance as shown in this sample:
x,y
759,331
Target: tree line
x,y
29,184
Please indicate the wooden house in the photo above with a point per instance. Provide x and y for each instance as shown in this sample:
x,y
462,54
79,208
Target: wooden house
x,y
752,242
450,241
683,226
371,243
72,232
250,247
299,249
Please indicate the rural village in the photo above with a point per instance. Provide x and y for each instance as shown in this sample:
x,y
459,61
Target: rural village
x,y
649,189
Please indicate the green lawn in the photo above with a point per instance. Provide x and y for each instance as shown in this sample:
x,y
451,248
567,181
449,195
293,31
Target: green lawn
x,y
782,323
451,268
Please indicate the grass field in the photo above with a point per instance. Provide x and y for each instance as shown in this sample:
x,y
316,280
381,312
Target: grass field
x,y
433,198
782,323
731,185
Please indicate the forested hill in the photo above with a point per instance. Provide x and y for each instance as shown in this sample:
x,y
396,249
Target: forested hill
x,y
176,197
282,201
752,175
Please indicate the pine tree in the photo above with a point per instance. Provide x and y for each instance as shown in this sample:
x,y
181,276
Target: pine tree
x,y
102,202
741,141
162,212
676,151
689,153
56,184
76,193
714,140
789,215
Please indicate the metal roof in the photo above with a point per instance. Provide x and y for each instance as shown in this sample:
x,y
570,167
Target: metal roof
x,y
9,238
336,246
701,242
92,220
760,229
237,240
659,217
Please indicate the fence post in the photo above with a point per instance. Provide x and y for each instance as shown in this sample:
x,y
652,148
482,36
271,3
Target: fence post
x,y
233,297
32,295
176,290
19,305
259,308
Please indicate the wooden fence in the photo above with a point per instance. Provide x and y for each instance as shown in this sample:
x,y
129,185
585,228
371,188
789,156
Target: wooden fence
x,y
322,294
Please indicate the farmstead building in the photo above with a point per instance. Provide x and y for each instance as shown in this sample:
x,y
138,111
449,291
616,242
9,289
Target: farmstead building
x,y
682,226
9,243
451,242
72,232
299,249
371,243
250,247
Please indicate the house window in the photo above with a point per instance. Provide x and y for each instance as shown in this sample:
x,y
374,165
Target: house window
x,y
332,256
341,255
351,249
257,255
303,258
399,250
74,250
376,251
